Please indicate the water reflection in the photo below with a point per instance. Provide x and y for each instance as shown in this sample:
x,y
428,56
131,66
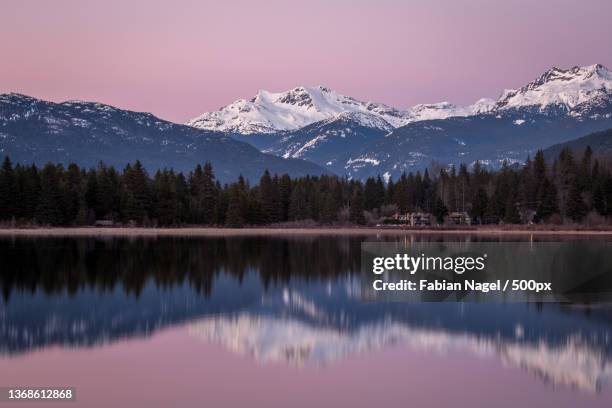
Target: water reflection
x,y
291,300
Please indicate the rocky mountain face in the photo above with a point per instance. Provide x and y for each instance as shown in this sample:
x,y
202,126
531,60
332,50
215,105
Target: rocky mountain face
x,y
36,131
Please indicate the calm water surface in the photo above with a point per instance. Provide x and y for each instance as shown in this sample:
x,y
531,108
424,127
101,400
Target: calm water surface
x,y
276,322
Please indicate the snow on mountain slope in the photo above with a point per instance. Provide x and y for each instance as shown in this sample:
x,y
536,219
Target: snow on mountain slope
x,y
38,131
326,141
301,106
271,112
566,88
443,110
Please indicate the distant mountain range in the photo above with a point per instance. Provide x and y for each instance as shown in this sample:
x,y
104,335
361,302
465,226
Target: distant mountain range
x,y
269,112
362,139
36,131
329,131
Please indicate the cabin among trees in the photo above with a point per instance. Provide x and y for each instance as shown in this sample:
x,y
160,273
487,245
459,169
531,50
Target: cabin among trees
x,y
570,189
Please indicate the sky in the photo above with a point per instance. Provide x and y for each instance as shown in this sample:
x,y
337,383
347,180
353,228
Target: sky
x,y
178,59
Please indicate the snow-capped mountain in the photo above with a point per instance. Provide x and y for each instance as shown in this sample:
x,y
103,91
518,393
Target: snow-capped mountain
x,y
443,110
563,88
270,112
558,106
342,134
37,131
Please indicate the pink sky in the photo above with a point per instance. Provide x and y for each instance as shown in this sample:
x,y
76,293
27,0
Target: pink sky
x,y
178,59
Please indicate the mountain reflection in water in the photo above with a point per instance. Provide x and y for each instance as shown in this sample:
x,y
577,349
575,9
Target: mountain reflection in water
x,y
291,300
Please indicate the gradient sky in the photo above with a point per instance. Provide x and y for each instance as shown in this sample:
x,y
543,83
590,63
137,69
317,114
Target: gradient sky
x,y
178,59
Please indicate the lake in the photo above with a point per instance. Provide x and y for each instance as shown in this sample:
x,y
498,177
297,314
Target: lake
x,y
277,322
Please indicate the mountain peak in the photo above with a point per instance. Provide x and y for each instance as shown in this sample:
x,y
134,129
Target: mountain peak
x,y
586,72
15,97
270,112
562,87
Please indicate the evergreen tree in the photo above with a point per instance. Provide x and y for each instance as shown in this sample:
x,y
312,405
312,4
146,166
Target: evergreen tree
x,y
270,198
8,190
599,198
547,201
165,198
299,206
91,190
209,194
49,210
329,211
575,208
28,192
439,210
539,172
356,206
234,217
479,205
284,191
586,166
374,192
136,194
73,199
511,213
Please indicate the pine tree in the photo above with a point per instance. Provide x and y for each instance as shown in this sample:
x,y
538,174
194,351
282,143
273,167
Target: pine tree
x,y
439,210
599,198
586,166
372,193
8,190
91,190
299,206
329,211
107,192
28,192
547,201
73,198
270,198
182,198
511,213
575,208
539,171
284,192
479,205
390,193
49,209
209,195
356,206
136,197
234,217
166,198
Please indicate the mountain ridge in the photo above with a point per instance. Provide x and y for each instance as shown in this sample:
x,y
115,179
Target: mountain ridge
x,y
302,106
37,131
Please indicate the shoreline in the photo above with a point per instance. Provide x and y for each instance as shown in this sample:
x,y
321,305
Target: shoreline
x,y
263,231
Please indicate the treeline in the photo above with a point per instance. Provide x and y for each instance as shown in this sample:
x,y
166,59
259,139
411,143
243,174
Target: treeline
x,y
568,190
